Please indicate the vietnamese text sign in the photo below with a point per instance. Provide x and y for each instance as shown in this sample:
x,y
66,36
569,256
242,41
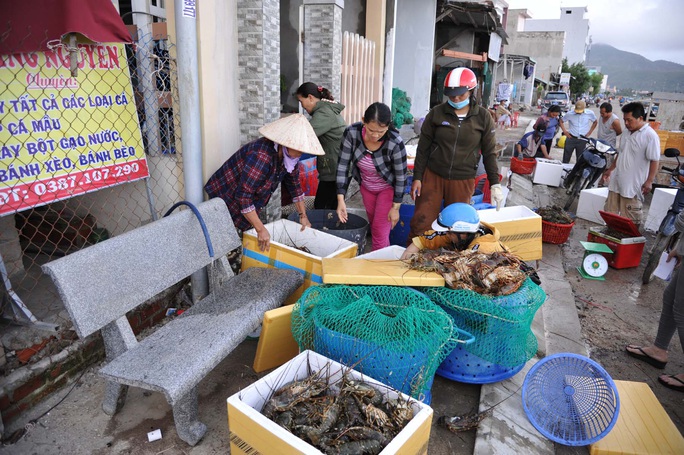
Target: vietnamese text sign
x,y
565,78
61,136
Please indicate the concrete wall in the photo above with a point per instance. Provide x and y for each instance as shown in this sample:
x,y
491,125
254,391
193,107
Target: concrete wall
x,y
546,48
414,48
576,28
671,115
353,21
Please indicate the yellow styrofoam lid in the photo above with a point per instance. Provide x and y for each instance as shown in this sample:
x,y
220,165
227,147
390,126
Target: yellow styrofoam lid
x,y
376,271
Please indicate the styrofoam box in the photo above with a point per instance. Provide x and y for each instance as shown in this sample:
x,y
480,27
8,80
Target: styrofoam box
x,y
519,229
547,172
252,432
660,204
286,251
389,252
590,202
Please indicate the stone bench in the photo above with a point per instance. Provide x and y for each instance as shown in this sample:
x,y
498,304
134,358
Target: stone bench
x,y
103,282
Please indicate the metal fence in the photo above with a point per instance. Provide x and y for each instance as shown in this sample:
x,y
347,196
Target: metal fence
x,y
90,148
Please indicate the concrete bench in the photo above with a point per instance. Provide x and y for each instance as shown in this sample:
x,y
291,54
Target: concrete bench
x,y
103,282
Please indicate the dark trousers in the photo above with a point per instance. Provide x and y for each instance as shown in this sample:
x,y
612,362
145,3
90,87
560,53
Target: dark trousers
x,y
326,196
573,144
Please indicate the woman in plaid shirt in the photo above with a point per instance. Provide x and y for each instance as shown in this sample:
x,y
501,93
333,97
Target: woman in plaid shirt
x,y
374,154
248,179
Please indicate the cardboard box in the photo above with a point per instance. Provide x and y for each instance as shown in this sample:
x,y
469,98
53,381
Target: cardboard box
x,y
520,230
285,252
590,203
548,172
252,432
627,250
660,204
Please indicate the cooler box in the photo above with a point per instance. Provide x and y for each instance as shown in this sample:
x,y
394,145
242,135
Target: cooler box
x,y
520,230
590,203
547,172
623,237
660,204
251,432
294,249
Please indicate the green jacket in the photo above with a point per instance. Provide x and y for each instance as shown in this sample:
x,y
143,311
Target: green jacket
x,y
329,127
451,147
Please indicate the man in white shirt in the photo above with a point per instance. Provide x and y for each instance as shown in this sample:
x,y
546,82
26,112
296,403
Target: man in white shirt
x,y
634,169
581,122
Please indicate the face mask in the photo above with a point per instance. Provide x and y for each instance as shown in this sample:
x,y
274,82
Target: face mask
x,y
459,105
288,161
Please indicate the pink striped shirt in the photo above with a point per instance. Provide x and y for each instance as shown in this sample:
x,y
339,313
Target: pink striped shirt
x,y
370,178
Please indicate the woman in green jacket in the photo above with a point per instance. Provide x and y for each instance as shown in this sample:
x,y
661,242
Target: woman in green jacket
x,y
329,126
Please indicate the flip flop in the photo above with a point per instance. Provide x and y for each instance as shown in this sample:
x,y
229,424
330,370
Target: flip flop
x,y
645,357
678,388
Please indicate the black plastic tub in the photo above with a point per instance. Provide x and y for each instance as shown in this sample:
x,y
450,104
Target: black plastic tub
x,y
355,229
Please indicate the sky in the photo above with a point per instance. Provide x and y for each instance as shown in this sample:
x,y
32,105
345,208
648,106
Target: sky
x,y
651,28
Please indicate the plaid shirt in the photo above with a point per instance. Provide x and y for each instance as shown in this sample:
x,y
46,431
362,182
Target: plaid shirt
x,y
246,181
389,160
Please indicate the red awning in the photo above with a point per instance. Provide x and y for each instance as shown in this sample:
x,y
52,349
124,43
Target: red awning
x,y
30,24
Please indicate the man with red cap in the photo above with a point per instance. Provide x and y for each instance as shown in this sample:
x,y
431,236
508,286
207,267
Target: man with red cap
x,y
453,137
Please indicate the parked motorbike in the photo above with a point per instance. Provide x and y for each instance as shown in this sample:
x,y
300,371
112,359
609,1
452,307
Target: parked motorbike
x,y
588,169
667,235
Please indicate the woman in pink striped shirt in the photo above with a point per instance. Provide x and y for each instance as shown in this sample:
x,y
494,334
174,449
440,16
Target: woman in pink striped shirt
x,y
375,154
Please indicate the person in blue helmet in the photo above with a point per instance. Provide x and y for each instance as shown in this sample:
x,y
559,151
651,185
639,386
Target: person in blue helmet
x,y
457,228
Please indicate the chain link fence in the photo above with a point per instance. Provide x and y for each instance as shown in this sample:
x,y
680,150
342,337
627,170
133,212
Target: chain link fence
x,y
90,148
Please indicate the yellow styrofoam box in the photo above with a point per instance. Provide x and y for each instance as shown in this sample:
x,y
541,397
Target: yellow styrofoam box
x,y
642,426
287,251
520,230
664,136
252,432
276,342
675,139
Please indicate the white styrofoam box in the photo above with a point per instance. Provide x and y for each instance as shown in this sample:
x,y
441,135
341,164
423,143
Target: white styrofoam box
x,y
411,150
547,172
590,202
253,432
660,204
389,252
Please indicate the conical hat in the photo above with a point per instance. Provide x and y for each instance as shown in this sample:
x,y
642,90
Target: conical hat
x,y
294,132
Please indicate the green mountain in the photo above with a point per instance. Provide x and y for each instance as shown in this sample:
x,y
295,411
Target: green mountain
x,y
629,70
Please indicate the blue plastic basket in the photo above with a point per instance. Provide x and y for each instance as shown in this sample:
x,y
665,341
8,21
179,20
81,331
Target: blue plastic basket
x,y
477,197
570,399
463,366
401,372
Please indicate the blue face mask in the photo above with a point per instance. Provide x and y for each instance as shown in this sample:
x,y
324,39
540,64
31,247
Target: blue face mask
x,y
459,105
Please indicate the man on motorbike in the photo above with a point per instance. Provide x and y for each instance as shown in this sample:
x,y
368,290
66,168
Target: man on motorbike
x,y
581,122
634,169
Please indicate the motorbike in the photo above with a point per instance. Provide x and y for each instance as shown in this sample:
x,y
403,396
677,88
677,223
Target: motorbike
x,y
588,169
667,236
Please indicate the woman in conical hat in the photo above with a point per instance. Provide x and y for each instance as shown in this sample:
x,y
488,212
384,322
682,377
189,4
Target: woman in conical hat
x,y
247,179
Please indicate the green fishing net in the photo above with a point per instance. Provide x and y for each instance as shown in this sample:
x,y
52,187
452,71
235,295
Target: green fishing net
x,y
393,334
401,108
501,325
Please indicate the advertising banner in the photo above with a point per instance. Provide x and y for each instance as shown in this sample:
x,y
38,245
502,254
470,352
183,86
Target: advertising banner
x,y
62,136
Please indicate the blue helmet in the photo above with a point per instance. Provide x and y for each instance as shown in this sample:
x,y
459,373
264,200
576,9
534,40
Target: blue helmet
x,y
458,217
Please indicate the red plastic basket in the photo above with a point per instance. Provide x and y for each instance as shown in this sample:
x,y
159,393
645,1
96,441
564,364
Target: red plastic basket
x,y
556,233
523,166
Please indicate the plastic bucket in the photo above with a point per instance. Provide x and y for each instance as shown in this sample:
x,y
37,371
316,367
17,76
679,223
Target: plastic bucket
x,y
399,235
355,229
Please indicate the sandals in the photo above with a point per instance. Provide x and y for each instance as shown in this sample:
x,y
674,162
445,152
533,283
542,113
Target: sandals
x,y
679,388
645,357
